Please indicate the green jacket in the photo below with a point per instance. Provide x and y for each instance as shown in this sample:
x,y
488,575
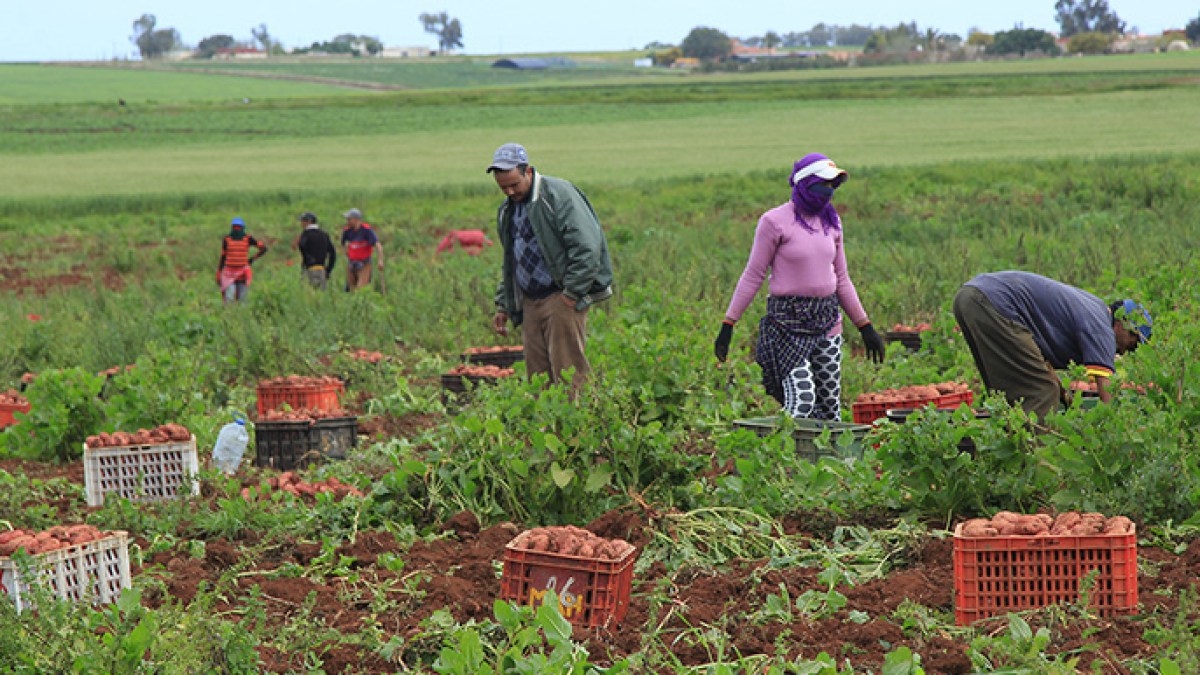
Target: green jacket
x,y
572,242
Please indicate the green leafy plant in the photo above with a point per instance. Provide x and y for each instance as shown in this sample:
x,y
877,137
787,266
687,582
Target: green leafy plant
x,y
64,410
533,641
1018,650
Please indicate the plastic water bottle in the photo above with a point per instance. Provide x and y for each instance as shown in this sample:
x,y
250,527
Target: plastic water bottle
x,y
231,445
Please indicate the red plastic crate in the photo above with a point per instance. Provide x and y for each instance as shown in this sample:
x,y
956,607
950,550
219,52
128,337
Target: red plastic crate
x,y
297,396
1011,573
954,400
866,413
6,412
591,592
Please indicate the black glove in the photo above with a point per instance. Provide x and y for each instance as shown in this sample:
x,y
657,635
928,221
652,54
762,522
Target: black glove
x,y
721,344
873,342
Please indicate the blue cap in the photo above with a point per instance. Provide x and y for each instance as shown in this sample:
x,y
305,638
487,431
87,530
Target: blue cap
x,y
237,222
508,156
1135,316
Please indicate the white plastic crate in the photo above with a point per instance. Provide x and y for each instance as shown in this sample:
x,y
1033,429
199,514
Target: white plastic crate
x,y
141,472
95,571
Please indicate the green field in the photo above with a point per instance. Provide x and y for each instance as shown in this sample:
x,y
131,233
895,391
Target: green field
x,y
194,141
750,558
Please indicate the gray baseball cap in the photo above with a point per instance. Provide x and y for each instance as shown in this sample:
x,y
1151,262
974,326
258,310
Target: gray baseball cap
x,y
508,156
352,213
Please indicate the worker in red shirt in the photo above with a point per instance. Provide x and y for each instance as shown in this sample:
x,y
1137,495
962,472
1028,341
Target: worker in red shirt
x,y
470,241
360,244
233,270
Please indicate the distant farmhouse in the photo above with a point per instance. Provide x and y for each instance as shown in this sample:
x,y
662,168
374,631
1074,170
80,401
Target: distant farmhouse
x,y
746,54
405,52
534,63
239,53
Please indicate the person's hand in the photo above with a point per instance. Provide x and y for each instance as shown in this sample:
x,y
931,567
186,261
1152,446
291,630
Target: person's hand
x,y
500,323
873,342
567,301
721,344
380,265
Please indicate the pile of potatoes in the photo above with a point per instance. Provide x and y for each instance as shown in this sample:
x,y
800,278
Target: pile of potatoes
x,y
913,393
301,381
301,415
53,539
292,483
163,433
12,397
905,328
571,540
366,355
1068,523
480,371
497,349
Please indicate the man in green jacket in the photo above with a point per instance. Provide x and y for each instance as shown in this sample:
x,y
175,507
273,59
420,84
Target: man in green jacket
x,y
556,265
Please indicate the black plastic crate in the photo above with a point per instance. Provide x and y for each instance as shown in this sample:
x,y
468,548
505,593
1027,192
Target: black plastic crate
x,y
334,437
285,445
909,338
503,359
460,384
806,432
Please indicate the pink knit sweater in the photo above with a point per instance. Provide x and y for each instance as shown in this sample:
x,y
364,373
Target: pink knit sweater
x,y
800,263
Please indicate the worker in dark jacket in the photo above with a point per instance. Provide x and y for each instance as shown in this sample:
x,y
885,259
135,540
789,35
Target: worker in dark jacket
x,y
1022,327
317,252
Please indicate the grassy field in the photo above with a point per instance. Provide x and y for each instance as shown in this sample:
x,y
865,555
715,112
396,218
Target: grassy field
x,y
596,131
36,84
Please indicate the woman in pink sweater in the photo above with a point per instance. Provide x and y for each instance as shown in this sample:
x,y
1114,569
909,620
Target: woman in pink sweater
x,y
800,339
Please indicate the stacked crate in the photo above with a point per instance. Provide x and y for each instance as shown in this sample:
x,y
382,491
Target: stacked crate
x,y
317,428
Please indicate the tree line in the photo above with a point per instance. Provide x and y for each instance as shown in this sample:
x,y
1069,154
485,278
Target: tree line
x,y
1089,26
154,42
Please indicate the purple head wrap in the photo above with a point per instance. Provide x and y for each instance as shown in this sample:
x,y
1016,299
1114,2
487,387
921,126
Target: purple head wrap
x,y
810,170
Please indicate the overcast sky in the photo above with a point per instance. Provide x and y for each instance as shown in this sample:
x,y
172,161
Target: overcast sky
x,y
54,30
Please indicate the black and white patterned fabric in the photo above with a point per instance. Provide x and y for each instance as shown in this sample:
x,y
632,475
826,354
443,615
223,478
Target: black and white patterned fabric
x,y
813,390
788,334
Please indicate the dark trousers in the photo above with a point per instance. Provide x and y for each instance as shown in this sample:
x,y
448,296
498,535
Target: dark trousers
x,y
1006,355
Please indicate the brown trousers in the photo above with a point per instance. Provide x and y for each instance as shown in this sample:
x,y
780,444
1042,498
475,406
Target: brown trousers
x,y
1006,355
555,336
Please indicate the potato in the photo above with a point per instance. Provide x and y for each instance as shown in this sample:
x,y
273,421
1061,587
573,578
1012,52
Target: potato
x,y
13,545
1030,525
1065,522
1117,525
1005,516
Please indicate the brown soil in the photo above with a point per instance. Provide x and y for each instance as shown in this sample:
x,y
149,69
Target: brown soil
x,y
386,426
72,471
459,573
19,280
